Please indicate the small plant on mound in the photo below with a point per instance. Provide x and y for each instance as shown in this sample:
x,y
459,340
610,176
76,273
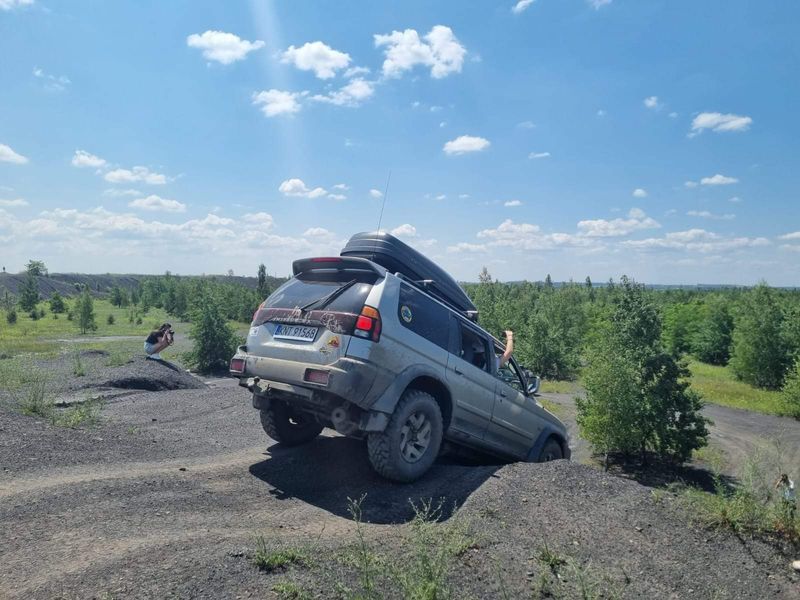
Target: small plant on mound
x,y
11,316
269,560
214,340
77,364
33,399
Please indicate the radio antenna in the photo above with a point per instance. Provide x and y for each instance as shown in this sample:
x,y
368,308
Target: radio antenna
x,y
383,204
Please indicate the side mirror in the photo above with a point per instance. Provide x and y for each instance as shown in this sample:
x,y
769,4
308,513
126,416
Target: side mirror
x,y
533,383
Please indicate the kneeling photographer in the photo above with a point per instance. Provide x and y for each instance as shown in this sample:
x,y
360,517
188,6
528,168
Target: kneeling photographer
x,y
158,340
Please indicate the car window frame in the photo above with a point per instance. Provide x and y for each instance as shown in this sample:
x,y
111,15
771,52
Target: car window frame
x,y
456,339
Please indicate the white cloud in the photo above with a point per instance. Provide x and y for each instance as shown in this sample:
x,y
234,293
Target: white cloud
x,y
535,155
467,247
526,125
435,108
337,197
8,155
373,193
521,6
441,197
735,199
791,236
142,174
222,47
790,247
696,240
652,102
442,123
317,57
351,94
466,143
13,203
116,193
277,102
356,71
637,220
441,51
709,215
639,193
404,230
9,4
298,188
341,186
463,196
156,203
512,203
51,82
718,180
719,122
85,159
319,233
673,115
690,184
598,4
262,219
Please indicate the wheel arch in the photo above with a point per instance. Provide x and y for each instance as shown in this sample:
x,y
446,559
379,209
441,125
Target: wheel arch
x,y
440,393
547,434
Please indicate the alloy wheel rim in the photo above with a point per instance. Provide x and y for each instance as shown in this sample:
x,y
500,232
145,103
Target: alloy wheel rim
x,y
415,437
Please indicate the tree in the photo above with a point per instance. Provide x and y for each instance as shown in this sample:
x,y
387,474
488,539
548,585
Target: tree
x,y
116,296
637,396
29,293
681,322
484,276
263,287
85,312
712,341
57,303
791,391
214,340
8,301
548,282
760,353
36,268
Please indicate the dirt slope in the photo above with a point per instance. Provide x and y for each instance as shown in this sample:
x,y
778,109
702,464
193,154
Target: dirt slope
x,y
164,499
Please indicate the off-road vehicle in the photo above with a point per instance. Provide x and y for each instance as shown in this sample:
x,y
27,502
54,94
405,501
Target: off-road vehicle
x,y
393,355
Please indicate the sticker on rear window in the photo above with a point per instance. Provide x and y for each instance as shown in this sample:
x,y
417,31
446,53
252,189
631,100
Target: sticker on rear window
x,y
405,313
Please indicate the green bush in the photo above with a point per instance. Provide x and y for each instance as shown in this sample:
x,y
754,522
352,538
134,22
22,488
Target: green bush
x,y
110,319
214,340
791,391
85,309
57,304
11,316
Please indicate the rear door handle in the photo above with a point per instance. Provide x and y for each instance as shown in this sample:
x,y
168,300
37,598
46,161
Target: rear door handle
x,y
457,370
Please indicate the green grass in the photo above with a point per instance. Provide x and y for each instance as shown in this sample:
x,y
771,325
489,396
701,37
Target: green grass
x,y
268,559
548,386
719,386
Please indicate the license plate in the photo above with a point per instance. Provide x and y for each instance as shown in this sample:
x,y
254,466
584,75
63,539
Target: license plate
x,y
295,332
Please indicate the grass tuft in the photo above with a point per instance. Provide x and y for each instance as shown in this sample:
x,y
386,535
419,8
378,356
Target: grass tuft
x,y
268,559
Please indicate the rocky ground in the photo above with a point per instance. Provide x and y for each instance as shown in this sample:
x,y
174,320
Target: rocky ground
x,y
169,494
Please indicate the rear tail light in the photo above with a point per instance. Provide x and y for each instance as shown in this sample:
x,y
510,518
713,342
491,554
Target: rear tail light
x,y
316,376
368,324
237,365
255,314
330,259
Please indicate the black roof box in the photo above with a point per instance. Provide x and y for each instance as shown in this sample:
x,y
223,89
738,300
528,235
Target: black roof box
x,y
398,257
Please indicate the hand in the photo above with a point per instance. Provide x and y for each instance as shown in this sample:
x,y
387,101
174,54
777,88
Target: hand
x,y
509,334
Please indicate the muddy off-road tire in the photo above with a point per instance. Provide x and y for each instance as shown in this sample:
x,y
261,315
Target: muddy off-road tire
x,y
551,451
287,426
406,449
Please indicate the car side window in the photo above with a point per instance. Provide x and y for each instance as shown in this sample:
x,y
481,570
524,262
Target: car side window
x,y
423,316
473,348
509,373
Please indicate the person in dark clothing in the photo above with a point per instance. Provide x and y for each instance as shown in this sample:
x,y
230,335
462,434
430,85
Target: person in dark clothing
x,y
158,340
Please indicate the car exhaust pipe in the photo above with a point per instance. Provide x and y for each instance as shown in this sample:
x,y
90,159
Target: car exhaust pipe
x,y
342,422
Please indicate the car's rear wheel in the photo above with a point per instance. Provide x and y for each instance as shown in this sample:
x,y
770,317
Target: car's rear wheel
x,y
551,451
287,425
406,449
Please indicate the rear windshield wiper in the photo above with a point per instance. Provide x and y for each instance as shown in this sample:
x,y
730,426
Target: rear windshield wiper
x,y
325,300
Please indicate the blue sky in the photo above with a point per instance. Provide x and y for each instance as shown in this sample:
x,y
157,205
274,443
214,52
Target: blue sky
x,y
657,139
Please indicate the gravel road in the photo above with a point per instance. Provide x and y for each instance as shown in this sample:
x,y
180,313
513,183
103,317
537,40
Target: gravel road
x,y
166,496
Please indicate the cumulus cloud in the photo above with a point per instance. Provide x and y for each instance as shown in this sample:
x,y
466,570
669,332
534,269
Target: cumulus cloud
x,y
690,184
8,155
718,179
16,202
356,71
512,203
298,188
377,194
156,203
521,6
637,220
652,102
440,50
351,94
719,122
735,199
404,230
318,57
795,235
536,155
526,125
82,158
696,240
51,83
137,174
222,47
639,193
466,143
341,186
709,215
114,193
337,197
277,102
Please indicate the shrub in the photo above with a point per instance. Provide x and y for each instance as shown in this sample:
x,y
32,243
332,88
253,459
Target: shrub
x,y
791,391
110,319
214,340
138,320
11,316
29,293
85,308
57,304
712,341
34,315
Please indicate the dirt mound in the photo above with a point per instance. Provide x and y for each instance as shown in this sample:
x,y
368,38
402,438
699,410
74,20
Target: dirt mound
x,y
149,375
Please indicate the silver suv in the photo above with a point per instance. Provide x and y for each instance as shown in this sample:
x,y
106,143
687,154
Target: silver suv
x,y
348,345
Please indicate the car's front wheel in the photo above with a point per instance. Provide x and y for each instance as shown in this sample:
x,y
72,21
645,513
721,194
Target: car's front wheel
x,y
289,426
551,451
406,449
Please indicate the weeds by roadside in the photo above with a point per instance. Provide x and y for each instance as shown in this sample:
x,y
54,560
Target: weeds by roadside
x,y
271,559
288,590
567,577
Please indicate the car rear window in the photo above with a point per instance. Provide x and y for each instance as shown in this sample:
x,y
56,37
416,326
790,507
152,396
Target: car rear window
x,y
308,287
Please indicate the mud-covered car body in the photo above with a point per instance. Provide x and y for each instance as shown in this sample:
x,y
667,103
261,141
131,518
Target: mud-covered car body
x,y
345,339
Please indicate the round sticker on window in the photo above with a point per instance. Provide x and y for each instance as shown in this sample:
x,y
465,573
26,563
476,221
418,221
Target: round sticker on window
x,y
405,312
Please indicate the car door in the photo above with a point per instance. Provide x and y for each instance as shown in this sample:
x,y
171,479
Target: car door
x,y
470,379
516,422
